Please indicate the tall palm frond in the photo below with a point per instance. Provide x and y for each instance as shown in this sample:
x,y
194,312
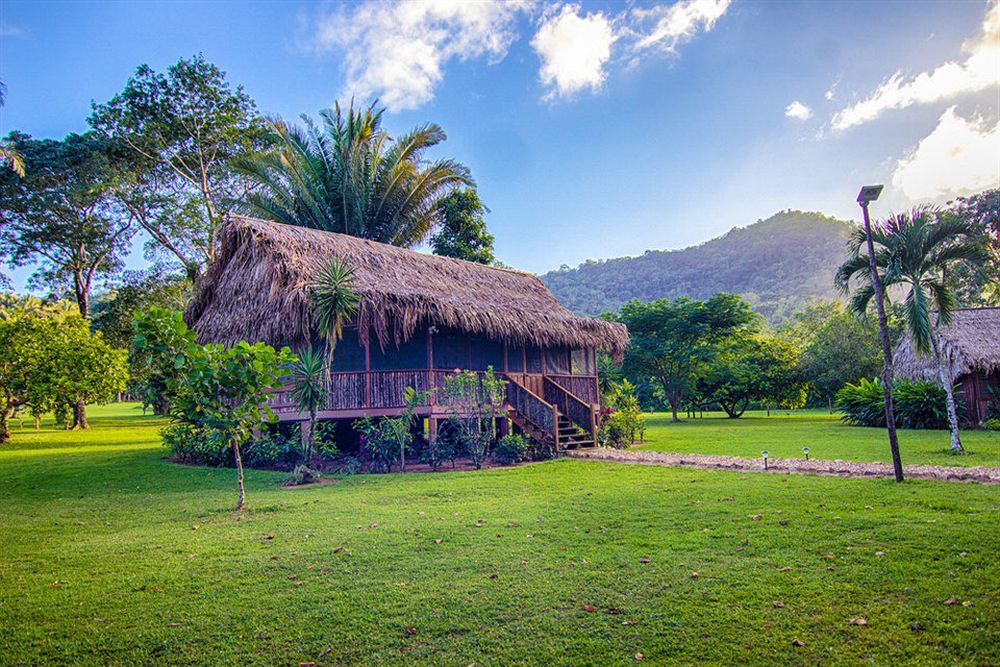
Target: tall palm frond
x,y
347,175
334,301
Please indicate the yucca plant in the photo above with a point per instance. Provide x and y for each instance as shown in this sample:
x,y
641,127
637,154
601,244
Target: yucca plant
x,y
334,302
913,252
348,175
309,390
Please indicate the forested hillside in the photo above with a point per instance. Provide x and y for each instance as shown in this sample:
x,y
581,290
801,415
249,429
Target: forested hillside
x,y
779,265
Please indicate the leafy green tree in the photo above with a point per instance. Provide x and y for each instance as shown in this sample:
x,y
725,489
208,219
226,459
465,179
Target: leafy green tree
x,y
462,230
476,401
836,346
84,369
179,131
672,340
753,368
978,283
915,251
350,176
113,311
221,390
309,390
63,215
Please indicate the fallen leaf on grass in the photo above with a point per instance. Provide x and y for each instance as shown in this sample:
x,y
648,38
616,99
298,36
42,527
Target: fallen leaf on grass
x,y
438,540
645,559
307,664
268,537
778,603
967,603
694,575
589,608
494,575
405,649
614,610
630,622
754,517
798,642
783,522
195,527
275,557
784,569
337,549
829,557
858,621
951,601
639,657
879,553
410,630
174,625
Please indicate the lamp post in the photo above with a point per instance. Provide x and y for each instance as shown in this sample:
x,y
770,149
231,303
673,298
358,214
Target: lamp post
x,y
868,194
764,455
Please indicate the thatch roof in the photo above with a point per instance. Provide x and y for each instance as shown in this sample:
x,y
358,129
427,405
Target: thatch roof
x,y
970,344
257,290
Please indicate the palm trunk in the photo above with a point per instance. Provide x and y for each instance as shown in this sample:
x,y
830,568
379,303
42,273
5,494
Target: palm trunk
x,y
956,439
240,493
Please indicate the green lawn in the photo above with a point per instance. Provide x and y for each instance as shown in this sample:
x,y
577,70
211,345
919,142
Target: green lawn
x,y
784,435
109,554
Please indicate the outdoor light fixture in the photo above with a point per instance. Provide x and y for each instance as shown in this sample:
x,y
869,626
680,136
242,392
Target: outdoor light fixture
x,y
869,193
764,454
805,450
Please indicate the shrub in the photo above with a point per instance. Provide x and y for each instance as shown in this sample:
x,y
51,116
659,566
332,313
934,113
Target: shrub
x,y
443,448
302,474
325,439
275,449
378,443
623,420
194,445
917,404
540,451
510,449
992,424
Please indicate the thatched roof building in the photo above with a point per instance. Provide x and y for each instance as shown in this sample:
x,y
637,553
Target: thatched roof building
x,y
970,344
257,291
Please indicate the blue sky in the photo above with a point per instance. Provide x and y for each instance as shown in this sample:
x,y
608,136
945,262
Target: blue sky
x,y
596,129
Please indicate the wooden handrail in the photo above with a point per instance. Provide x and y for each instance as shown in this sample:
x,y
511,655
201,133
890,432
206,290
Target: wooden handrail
x,y
575,409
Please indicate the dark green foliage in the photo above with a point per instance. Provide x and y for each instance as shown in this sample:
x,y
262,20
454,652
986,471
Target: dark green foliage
x,y
462,230
378,443
176,133
350,176
113,311
919,405
779,265
444,447
672,340
510,449
978,283
63,215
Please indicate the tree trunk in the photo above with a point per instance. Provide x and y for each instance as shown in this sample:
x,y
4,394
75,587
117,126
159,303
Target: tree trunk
x,y
887,370
4,424
673,410
80,415
829,403
956,439
240,492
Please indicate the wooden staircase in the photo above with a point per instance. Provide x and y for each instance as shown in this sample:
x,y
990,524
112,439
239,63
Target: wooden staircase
x,y
559,419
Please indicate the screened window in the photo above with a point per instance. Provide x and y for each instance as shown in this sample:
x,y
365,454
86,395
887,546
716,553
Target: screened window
x,y
409,355
533,359
451,350
557,360
515,358
348,355
582,362
486,353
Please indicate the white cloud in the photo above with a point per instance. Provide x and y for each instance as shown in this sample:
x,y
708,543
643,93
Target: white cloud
x,y
977,72
676,23
959,157
7,30
397,50
574,50
828,94
798,111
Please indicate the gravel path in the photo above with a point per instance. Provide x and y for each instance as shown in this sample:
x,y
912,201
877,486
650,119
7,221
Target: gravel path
x,y
981,475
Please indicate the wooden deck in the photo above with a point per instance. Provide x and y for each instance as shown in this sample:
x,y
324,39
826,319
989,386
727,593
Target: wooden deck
x,y
559,408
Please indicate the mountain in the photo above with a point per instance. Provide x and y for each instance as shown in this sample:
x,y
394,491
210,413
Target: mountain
x,y
779,265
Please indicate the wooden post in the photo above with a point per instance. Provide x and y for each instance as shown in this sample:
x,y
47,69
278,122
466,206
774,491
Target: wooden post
x,y
430,366
505,357
368,375
432,429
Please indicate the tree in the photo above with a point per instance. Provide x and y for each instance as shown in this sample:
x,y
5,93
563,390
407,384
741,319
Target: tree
x,y
671,340
978,283
9,154
836,348
752,368
476,401
350,176
49,359
462,230
915,251
113,311
63,214
309,390
334,302
221,390
179,131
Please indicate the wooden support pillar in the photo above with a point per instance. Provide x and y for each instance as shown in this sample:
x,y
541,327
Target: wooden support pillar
x,y
368,375
432,429
430,365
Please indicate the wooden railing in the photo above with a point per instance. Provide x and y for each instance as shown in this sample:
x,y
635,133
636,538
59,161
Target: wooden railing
x,y
534,409
578,412
583,387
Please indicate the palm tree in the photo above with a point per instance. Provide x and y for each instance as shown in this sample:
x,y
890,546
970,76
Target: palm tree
x,y
913,252
309,390
8,153
334,302
348,175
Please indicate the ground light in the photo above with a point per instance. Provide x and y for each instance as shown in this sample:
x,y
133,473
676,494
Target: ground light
x,y
805,450
764,454
868,194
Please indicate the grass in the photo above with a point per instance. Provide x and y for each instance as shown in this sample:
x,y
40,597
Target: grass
x,y
785,434
110,554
